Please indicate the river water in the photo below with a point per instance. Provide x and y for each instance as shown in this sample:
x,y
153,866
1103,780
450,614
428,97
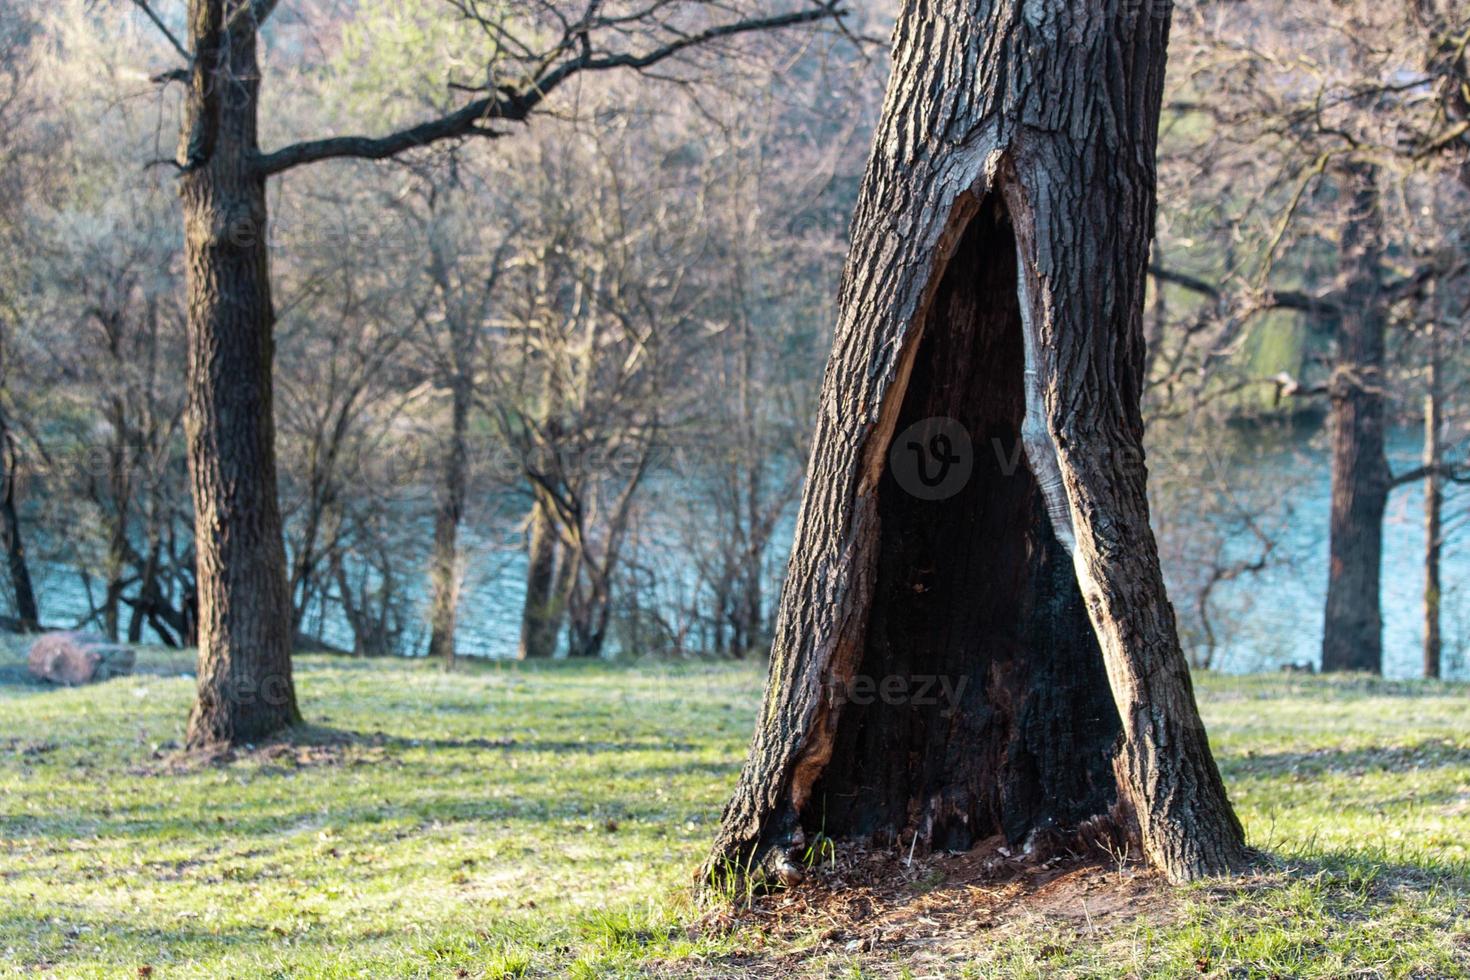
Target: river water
x,y
1262,621
1277,614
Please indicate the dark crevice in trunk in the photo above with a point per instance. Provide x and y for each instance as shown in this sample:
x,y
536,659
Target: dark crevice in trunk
x,y
980,704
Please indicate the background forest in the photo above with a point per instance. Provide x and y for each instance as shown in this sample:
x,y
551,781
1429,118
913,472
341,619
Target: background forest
x,y
548,392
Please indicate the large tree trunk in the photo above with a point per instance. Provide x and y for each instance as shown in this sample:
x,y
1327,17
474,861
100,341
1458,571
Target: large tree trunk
x,y
1352,635
245,686
445,566
542,614
958,656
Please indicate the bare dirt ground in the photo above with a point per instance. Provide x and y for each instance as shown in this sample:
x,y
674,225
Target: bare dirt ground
x,y
892,916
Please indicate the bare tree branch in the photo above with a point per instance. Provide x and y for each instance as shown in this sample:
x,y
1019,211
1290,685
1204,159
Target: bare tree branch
x,y
1183,279
163,29
515,104
1445,471
1271,299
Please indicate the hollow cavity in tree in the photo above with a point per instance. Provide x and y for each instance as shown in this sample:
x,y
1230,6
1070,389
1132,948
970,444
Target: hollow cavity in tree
x,y
1003,717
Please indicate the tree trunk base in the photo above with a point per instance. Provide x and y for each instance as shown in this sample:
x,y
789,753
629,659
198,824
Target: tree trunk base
x,y
975,519
971,698
211,727
979,704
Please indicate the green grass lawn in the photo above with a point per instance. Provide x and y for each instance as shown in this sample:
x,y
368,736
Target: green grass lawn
x,y
545,821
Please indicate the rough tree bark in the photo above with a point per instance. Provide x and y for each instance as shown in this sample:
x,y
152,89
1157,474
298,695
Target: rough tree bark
x,y
541,616
1433,504
1352,635
995,280
444,569
245,686
118,505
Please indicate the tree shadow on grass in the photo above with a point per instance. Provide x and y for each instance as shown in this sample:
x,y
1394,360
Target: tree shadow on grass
x,y
152,941
1432,753
1379,873
439,794
310,745
531,745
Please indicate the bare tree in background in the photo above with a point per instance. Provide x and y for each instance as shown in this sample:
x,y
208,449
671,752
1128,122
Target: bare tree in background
x,y
599,323
103,325
245,685
459,226
771,253
1315,118
351,308
120,279
18,149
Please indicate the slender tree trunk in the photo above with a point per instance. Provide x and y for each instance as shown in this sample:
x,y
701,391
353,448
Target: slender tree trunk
x,y
119,502
568,573
147,591
748,616
589,612
299,583
245,685
547,587
974,636
541,616
27,610
1433,506
1352,636
445,571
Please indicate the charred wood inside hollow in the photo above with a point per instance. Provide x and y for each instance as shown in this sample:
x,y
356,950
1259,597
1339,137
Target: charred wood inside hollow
x,y
980,704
